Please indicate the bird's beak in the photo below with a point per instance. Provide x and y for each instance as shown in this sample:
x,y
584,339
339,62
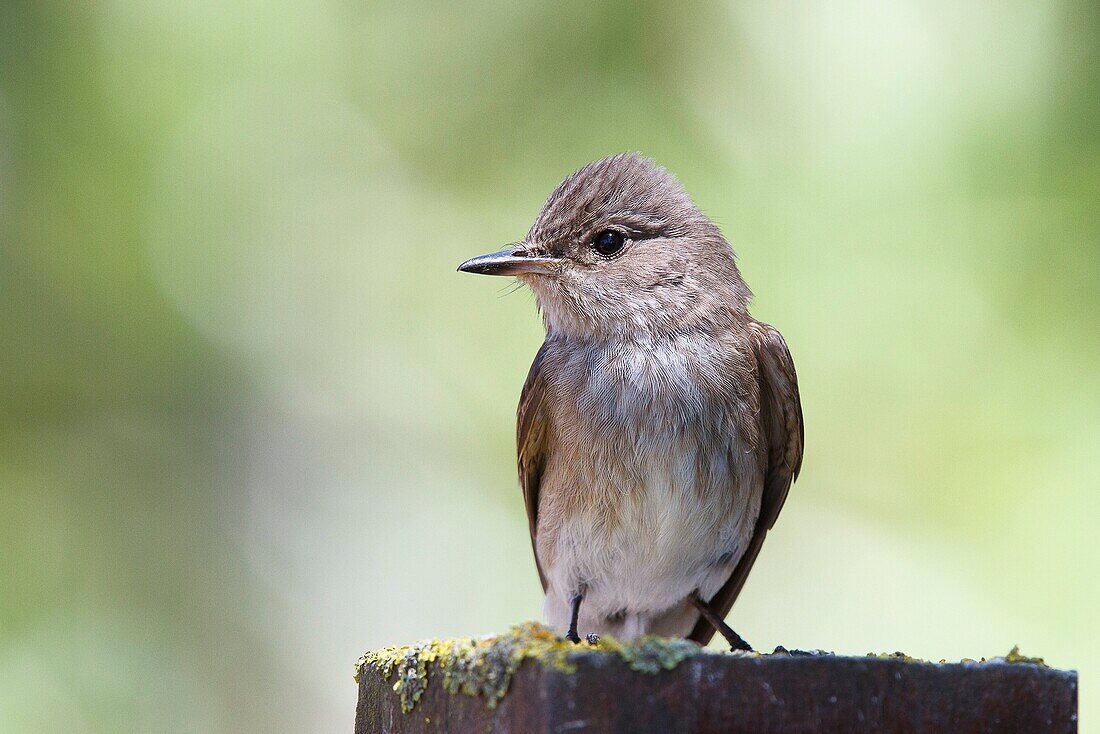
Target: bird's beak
x,y
510,261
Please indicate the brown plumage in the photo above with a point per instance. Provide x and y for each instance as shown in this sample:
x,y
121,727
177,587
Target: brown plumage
x,y
659,429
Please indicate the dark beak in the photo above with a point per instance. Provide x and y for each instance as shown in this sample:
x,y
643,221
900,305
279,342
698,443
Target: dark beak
x,y
510,261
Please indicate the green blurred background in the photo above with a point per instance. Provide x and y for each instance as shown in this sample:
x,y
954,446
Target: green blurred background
x,y
252,422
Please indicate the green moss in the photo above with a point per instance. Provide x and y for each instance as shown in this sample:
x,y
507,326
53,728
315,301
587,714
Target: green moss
x,y
651,654
485,666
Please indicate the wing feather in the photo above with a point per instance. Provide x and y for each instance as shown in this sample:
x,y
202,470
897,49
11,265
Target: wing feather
x,y
531,446
782,430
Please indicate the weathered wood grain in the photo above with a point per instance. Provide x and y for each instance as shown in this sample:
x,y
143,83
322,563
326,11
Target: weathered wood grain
x,y
719,693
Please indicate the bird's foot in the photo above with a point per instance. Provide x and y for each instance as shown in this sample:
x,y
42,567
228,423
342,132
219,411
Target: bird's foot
x,y
574,617
737,643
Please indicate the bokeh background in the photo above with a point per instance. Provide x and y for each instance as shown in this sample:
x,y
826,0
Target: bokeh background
x,y
253,423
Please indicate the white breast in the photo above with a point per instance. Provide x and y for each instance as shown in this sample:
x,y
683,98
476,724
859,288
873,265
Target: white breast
x,y
664,485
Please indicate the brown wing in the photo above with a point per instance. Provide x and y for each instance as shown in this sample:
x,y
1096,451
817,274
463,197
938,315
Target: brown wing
x,y
782,432
531,442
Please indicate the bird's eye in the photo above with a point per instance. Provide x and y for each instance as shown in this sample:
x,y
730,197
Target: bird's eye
x,y
608,242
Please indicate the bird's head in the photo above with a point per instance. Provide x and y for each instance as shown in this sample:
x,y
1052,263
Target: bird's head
x,y
619,247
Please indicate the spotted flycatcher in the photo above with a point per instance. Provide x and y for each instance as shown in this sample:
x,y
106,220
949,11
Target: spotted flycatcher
x,y
660,427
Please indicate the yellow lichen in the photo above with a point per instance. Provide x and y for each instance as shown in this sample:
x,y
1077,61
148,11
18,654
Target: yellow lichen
x,y
1014,656
485,666
897,656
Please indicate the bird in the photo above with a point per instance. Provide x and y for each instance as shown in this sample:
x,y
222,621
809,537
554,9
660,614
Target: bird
x,y
660,426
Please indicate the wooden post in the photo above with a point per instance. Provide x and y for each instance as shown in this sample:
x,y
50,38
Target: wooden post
x,y
594,690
